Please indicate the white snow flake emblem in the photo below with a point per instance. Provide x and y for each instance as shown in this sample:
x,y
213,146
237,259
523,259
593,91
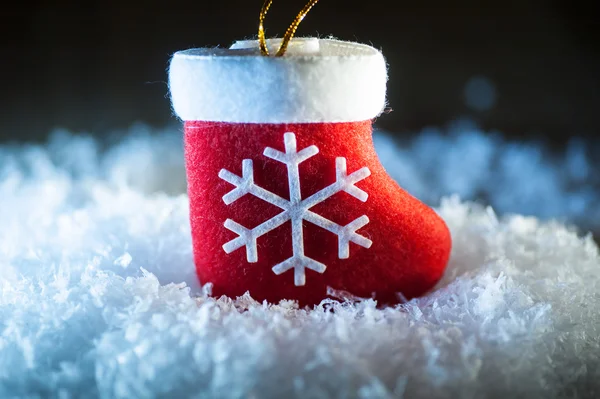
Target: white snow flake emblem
x,y
296,209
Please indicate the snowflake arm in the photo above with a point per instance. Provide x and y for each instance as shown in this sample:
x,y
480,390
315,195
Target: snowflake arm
x,y
245,185
345,233
247,237
344,182
299,263
292,158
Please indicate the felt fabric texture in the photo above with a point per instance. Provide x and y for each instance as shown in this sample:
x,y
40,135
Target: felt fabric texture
x,y
341,82
95,254
410,242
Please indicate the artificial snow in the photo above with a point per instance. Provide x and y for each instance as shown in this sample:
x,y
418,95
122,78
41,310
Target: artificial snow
x,y
98,296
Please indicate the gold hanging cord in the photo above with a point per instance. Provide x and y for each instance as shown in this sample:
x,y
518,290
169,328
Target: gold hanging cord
x,y
289,34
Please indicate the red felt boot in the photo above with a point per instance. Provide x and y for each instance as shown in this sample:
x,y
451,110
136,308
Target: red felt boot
x,y
287,195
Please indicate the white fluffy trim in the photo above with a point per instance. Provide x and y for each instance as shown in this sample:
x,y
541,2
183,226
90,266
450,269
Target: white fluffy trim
x,y
318,80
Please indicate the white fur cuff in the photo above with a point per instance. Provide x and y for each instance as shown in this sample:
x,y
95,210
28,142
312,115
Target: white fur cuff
x,y
318,80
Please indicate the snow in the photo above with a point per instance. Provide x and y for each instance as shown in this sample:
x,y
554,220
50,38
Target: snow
x,y
98,299
296,209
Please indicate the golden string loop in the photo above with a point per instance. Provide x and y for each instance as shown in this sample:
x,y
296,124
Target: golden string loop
x,y
289,33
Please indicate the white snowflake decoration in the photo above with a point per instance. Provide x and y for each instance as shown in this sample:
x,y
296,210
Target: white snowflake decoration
x,y
296,209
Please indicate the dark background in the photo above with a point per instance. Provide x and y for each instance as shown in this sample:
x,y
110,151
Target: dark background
x,y
99,65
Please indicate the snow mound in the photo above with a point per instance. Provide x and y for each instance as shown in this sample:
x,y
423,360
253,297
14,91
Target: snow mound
x,y
98,296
